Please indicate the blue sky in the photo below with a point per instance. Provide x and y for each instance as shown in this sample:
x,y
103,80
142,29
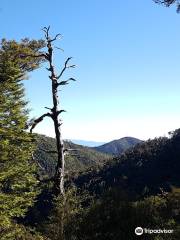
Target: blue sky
x,y
128,65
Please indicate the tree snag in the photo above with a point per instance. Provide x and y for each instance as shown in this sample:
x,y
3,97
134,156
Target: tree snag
x,y
55,111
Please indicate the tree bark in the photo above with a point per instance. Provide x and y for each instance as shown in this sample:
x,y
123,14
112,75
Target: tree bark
x,y
59,175
54,115
55,112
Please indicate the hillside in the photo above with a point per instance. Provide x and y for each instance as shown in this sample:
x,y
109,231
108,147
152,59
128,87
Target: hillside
x,y
119,146
139,188
78,160
146,169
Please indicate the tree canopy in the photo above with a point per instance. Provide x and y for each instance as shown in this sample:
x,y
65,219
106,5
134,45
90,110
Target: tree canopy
x,y
17,178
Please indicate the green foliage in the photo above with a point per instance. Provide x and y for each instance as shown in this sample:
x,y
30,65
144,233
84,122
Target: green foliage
x,y
116,217
119,146
17,172
66,216
150,174
19,232
146,169
113,216
79,160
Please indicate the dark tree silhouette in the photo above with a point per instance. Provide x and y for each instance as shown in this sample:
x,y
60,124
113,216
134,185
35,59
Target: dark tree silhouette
x,y
55,111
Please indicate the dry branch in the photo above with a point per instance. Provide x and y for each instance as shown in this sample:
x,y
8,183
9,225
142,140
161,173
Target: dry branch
x,y
65,67
38,120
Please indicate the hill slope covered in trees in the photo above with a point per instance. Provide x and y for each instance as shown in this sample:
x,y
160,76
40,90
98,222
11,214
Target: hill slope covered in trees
x,y
146,169
117,147
78,160
139,188
82,157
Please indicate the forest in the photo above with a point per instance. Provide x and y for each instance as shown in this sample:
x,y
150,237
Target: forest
x,y
51,189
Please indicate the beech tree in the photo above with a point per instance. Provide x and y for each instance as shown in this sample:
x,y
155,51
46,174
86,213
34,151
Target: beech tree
x,y
55,111
17,179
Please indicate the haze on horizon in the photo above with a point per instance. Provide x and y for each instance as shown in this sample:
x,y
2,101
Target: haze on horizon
x,y
105,131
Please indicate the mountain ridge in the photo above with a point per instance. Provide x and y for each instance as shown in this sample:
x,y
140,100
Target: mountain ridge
x,y
147,169
87,143
82,158
118,146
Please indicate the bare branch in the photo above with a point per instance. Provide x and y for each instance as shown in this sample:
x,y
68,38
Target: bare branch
x,y
60,111
57,35
42,55
48,69
46,30
66,82
70,150
72,66
67,151
59,48
38,120
65,67
63,83
51,109
72,79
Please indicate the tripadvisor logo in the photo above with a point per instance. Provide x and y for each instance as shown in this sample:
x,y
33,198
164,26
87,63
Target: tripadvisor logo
x,y
139,231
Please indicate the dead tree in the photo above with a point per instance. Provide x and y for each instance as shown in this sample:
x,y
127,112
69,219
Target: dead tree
x,y
55,111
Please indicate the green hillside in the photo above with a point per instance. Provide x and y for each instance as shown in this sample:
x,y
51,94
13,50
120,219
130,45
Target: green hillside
x,y
139,188
146,169
119,146
76,161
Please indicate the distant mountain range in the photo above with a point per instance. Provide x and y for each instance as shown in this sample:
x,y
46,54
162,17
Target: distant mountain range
x,y
86,143
147,169
83,158
119,146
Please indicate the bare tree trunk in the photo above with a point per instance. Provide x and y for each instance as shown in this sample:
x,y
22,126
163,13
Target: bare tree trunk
x,y
59,175
55,110
54,115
